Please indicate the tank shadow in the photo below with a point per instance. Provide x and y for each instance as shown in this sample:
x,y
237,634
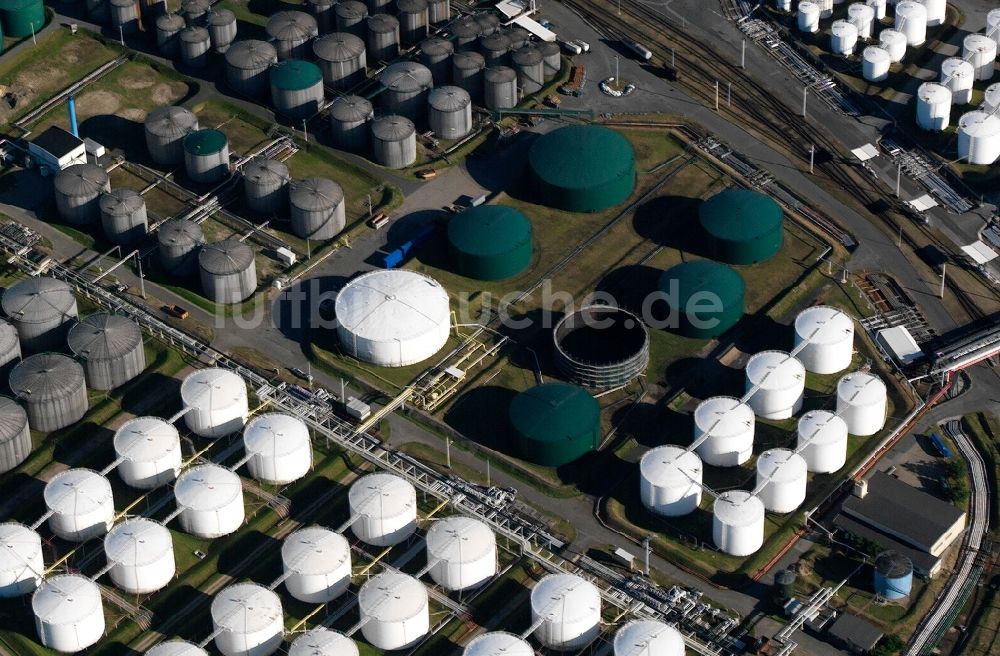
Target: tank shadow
x,y
672,221
704,377
232,560
481,414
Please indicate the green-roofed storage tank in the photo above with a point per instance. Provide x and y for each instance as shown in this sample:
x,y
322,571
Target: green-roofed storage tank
x,y
743,226
206,155
296,88
705,298
582,168
555,423
22,17
490,242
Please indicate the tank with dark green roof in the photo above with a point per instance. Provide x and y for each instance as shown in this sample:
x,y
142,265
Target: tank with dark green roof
x,y
206,155
490,242
742,226
582,168
705,298
22,18
555,423
296,88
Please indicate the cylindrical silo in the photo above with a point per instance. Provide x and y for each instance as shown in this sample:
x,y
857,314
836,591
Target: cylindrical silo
x,y
862,403
991,98
828,337
248,620
528,63
140,552
228,271
349,119
124,16
979,138
53,388
822,441
123,216
893,576
933,106
318,562
247,65
179,241
461,553
278,447
196,45
875,62
110,348
862,17
488,22
206,156
958,76
380,6
738,523
519,37
168,26
296,88
567,609
350,17
670,481
176,648
215,401
936,10
69,616
648,638
221,29
466,31
993,24
779,380
911,20
15,436
166,128
450,112
551,58
413,19
495,48
782,477
41,309
316,207
878,7
383,37
500,87
81,504
394,141
498,643
438,11
22,565
341,58
290,32
383,509
210,499
265,186
10,348
394,611
980,51
435,54
150,452
808,20
730,427
894,43
322,11
467,72
78,189
194,10
843,37
322,642
406,87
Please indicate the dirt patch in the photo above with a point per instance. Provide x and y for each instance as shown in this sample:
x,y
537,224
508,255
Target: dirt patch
x,y
136,82
133,114
94,103
71,52
163,93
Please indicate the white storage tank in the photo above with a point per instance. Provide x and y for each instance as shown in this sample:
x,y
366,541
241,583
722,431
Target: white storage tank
x,y
648,638
249,620
141,554
69,616
862,17
991,98
894,43
959,76
279,448
81,503
319,563
911,20
826,7
843,37
22,565
211,501
829,336
322,642
993,24
392,317
979,138
216,401
670,481
822,441
862,403
875,62
780,380
808,17
878,6
569,609
936,11
383,509
980,51
730,425
783,5
933,106
498,643
783,475
150,449
394,609
738,523
176,648
461,552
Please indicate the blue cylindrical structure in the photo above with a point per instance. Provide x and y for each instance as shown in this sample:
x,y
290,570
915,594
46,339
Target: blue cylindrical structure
x,y
893,575
71,106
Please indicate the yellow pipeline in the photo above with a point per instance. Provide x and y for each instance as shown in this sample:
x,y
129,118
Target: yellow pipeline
x,y
436,510
364,570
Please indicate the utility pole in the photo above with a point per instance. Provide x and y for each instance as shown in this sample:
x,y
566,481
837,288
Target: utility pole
x,y
619,7
812,157
305,134
645,545
899,239
743,54
805,96
309,250
142,280
716,95
616,70
121,34
447,451
370,207
33,41
673,58
944,276
729,95
899,174
489,481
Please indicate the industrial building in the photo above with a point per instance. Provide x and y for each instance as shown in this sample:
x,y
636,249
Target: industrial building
x,y
555,423
56,149
856,635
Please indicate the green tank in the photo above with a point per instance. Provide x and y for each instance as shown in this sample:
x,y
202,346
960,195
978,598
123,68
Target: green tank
x,y
490,242
22,18
743,226
705,298
555,423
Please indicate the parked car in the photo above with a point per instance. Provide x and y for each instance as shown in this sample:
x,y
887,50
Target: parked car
x,y
301,374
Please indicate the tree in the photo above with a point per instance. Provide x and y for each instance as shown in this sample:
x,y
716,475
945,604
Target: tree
x,y
890,645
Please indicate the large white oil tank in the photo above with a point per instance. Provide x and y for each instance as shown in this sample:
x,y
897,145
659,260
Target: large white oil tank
x,y
826,7
780,382
318,562
249,620
991,98
730,426
69,616
959,76
569,611
911,20
211,501
843,37
808,17
383,509
670,481
828,335
783,475
878,6
216,401
875,63
936,10
822,441
648,638
150,449
140,552
498,643
22,565
738,523
278,447
81,504
979,137
894,43
862,17
322,642
993,24
980,51
176,648
461,553
395,611
862,403
933,106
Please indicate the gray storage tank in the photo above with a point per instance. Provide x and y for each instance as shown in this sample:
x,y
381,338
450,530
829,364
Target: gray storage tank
x,y
291,31
342,59
349,118
380,6
123,216
296,88
166,128
194,10
168,26
488,22
551,58
42,310
221,29
77,190
530,69
500,87
466,32
350,17
228,271
412,21
435,54
450,112
316,206
53,389
247,64
394,141
518,36
10,349
322,11
179,241
206,156
407,85
124,16
495,48
195,46
438,11
467,72
265,186
110,348
98,11
383,37
15,436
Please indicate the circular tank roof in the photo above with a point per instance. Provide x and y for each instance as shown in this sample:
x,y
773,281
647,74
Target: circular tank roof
x,y
207,487
251,54
466,27
176,648
411,6
315,194
893,565
740,214
246,608
703,278
193,33
500,74
351,108
957,68
468,60
170,22
295,75
406,77
891,36
781,465
19,545
171,121
137,542
104,336
46,376
121,202
201,388
489,230
382,23
38,299
498,643
145,439
822,324
646,638
77,492
436,46
291,26
180,232
875,54
449,99
351,9
264,171
338,47
724,416
527,55
225,257
392,597
219,16
566,598
459,540
392,304
980,124
670,466
13,419
381,495
738,508
860,388
775,370
822,427
315,550
207,141
555,411
322,642
584,158
81,180
393,128
274,435
66,599
8,338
